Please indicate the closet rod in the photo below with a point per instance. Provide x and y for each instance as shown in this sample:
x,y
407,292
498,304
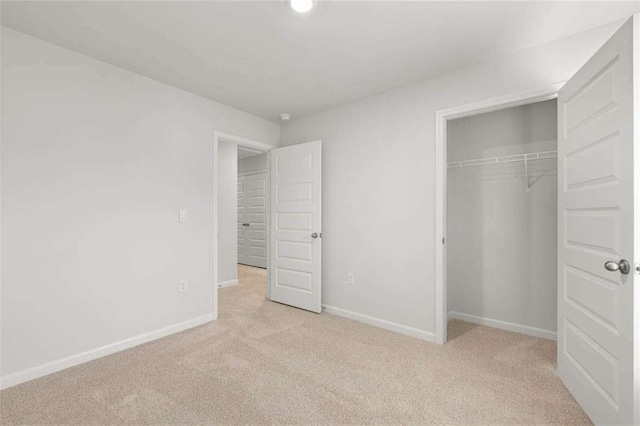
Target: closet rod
x,y
502,160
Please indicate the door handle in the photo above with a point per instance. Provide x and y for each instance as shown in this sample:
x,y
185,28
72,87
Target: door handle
x,y
314,235
623,266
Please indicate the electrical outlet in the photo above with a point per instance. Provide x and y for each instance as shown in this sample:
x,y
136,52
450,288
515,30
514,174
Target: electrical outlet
x,y
351,278
183,285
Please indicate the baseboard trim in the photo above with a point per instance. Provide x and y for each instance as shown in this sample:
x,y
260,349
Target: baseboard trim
x,y
228,283
77,359
377,322
505,325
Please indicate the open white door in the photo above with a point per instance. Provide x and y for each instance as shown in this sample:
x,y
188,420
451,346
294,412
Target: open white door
x,y
296,243
597,144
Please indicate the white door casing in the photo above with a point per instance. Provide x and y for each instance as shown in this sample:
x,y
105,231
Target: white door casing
x,y
296,243
597,142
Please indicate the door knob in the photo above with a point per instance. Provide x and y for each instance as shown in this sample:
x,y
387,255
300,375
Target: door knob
x,y
623,266
314,235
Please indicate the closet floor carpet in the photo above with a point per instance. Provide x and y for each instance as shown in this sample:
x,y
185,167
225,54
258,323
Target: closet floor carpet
x,y
262,362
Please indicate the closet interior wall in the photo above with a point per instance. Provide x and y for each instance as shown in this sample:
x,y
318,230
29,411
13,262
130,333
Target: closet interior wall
x,y
502,234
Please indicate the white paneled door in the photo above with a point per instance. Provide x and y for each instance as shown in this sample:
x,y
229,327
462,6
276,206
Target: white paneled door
x,y
252,220
597,143
296,232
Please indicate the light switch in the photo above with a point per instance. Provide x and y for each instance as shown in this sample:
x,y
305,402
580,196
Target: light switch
x,y
184,215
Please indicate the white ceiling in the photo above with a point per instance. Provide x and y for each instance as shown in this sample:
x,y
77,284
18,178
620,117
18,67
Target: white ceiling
x,y
263,58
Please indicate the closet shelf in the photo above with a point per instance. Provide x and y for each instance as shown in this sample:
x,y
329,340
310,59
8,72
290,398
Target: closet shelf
x,y
502,160
523,158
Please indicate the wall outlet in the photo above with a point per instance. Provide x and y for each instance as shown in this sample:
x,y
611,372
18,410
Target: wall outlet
x,y
351,278
183,285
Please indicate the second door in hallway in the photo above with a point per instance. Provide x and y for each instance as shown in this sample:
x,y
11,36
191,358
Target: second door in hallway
x,y
252,222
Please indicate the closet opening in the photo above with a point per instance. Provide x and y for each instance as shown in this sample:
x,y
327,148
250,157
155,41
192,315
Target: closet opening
x,y
501,220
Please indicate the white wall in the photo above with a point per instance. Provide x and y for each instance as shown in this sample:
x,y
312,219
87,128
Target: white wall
x,y
378,178
227,212
1,274
501,238
96,163
257,163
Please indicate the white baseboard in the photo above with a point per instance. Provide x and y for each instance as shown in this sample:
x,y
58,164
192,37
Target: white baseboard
x,y
387,325
73,360
228,283
505,325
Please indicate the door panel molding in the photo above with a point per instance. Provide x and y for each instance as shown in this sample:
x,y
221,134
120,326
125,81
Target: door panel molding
x,y
296,208
255,205
597,141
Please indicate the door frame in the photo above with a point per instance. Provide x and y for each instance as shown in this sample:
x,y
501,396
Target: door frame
x,y
442,116
254,146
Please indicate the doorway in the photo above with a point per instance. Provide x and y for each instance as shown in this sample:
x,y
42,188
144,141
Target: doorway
x,y
442,119
252,204
287,227
228,153
502,220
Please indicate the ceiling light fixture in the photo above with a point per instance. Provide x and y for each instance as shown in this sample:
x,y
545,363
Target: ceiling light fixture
x,y
285,117
301,6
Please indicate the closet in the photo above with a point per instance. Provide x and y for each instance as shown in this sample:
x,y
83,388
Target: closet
x,y
252,211
502,219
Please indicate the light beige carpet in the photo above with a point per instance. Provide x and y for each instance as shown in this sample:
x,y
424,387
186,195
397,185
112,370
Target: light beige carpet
x,y
262,362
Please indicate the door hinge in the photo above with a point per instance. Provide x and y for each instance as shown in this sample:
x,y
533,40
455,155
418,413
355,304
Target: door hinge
x,y
442,240
636,268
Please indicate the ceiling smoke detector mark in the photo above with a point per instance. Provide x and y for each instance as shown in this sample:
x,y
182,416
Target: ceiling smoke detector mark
x,y
301,6
285,117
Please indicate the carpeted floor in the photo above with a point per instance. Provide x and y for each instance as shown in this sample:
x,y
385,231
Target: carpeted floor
x,y
262,362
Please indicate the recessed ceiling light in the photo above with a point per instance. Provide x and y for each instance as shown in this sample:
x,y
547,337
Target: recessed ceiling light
x,y
301,6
